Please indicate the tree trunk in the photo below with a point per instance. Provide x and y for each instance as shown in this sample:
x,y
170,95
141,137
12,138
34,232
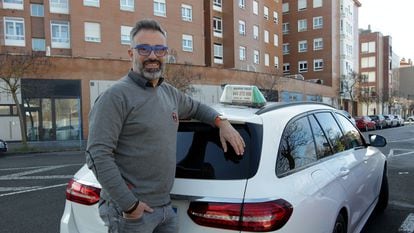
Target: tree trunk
x,y
21,118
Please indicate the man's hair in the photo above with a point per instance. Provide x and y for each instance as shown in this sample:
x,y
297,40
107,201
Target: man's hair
x,y
146,24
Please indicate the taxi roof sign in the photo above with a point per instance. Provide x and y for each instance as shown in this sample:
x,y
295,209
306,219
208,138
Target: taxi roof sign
x,y
245,95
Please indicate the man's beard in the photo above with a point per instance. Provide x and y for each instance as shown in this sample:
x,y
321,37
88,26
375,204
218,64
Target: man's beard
x,y
149,73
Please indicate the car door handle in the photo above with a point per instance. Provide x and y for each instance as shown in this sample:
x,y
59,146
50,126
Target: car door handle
x,y
343,171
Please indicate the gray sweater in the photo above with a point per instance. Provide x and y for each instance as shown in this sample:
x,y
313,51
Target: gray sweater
x,y
132,139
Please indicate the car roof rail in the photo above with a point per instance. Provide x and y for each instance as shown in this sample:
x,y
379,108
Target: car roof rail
x,y
279,105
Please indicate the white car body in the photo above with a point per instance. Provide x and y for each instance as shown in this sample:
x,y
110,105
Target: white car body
x,y
347,183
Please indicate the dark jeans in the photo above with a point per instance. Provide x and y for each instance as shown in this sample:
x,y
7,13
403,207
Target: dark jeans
x,y
162,220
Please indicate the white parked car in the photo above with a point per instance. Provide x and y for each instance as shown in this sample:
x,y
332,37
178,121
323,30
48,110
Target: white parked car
x,y
306,168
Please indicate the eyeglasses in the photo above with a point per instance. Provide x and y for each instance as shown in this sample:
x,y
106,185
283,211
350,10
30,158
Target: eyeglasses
x,y
145,50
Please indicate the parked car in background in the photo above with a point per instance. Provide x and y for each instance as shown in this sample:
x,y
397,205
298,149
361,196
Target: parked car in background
x,y
410,118
3,146
295,160
365,123
391,121
348,115
379,121
399,119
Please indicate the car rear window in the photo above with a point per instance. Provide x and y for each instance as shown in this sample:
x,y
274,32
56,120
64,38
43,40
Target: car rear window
x,y
201,156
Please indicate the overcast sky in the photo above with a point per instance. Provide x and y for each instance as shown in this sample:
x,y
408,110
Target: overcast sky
x,y
394,18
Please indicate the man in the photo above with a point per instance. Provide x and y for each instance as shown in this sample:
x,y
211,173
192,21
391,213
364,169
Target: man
x,y
132,138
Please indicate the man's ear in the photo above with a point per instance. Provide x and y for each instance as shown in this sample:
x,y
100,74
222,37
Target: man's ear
x,y
130,53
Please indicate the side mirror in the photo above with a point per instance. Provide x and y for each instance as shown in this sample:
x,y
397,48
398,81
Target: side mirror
x,y
377,140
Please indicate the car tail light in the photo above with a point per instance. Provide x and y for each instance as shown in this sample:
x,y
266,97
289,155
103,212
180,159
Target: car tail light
x,y
256,217
81,193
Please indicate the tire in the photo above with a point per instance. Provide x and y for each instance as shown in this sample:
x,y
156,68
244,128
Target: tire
x,y
383,195
340,225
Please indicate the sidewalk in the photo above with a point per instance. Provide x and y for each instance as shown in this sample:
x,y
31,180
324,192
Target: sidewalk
x,y
45,146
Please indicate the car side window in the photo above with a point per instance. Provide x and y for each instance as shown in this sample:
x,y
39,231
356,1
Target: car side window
x,y
323,148
332,130
297,148
352,138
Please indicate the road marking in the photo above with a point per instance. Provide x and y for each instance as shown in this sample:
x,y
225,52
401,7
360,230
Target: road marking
x,y
408,225
402,204
402,140
392,152
25,173
32,190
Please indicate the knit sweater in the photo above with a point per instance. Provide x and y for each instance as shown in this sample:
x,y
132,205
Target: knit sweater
x,y
132,138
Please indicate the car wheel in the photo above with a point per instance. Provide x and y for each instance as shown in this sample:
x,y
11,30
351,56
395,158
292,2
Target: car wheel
x,y
383,195
340,225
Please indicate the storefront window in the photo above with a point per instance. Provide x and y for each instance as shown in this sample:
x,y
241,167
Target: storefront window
x,y
67,119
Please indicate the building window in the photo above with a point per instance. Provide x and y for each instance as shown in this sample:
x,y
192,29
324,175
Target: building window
x,y
302,25
317,3
92,32
303,66
317,44
242,27
368,62
242,53
302,46
286,48
275,40
127,5
13,4
14,31
242,4
318,64
60,34
37,10
217,27
285,8
255,32
187,41
186,12
317,22
125,35
368,47
160,8
218,53
38,44
285,28
94,3
255,7
59,6
302,5
266,12
217,5
256,57
369,76
266,36
267,59
276,62
286,68
275,17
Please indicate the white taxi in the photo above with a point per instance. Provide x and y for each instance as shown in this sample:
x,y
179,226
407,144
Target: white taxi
x,y
306,168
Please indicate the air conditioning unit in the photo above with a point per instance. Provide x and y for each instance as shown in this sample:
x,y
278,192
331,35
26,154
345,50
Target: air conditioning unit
x,y
315,80
48,51
295,76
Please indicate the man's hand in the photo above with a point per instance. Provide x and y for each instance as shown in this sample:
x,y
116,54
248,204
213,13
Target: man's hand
x,y
229,134
139,211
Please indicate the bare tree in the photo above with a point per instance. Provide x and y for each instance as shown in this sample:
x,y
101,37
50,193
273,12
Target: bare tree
x,y
268,86
13,68
181,77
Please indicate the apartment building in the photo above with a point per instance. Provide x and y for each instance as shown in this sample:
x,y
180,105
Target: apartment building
x,y
245,35
320,42
377,70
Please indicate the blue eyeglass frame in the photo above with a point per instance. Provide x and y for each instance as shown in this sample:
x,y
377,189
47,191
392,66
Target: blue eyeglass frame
x,y
150,48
